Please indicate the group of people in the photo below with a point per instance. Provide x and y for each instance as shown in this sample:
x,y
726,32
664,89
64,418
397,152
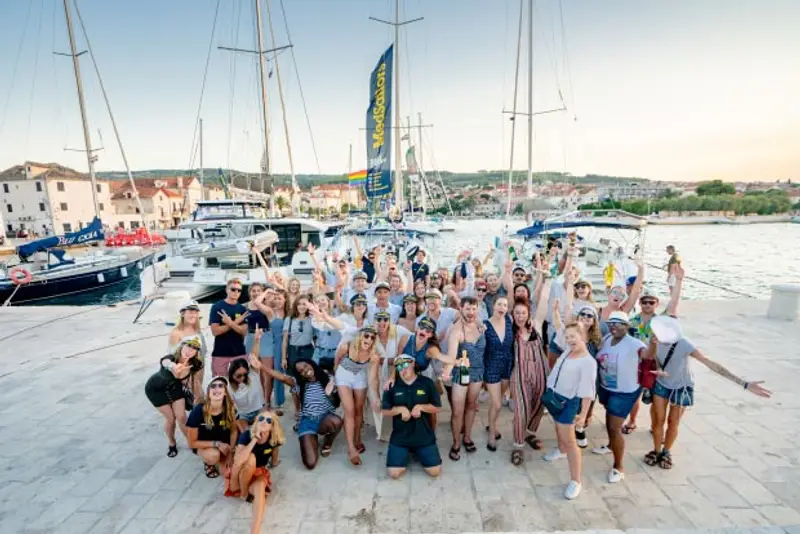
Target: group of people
x,y
385,337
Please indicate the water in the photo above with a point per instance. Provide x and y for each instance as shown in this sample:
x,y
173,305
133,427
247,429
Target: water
x,y
746,258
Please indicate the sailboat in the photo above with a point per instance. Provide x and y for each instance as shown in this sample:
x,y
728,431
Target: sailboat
x,y
43,270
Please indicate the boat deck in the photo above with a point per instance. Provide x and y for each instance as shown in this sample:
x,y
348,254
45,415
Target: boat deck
x,y
83,450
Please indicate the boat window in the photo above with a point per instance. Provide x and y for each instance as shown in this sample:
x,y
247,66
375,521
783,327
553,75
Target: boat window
x,y
288,236
248,210
332,231
313,238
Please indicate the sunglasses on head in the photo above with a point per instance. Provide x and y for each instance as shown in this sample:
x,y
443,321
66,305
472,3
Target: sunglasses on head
x,y
216,385
264,419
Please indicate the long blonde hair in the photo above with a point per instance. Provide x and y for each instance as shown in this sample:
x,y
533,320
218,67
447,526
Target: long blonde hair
x,y
276,435
355,347
228,412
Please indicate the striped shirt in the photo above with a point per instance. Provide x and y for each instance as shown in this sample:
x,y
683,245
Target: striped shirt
x,y
316,404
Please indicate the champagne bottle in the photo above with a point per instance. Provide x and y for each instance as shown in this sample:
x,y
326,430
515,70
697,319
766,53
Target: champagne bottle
x,y
464,369
512,253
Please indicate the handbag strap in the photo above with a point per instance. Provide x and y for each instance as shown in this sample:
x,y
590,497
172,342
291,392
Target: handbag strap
x,y
670,352
558,374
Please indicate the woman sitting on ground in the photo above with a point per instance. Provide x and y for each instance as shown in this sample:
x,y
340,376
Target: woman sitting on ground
x,y
245,388
211,428
256,452
177,381
318,402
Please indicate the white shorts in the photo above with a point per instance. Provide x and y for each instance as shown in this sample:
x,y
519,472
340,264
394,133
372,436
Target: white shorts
x,y
350,379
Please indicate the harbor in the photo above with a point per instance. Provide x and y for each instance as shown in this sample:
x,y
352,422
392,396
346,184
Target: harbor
x,y
83,450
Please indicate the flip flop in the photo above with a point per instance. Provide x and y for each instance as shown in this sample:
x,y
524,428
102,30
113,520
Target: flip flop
x,y
517,458
325,451
497,435
470,446
454,454
211,471
534,442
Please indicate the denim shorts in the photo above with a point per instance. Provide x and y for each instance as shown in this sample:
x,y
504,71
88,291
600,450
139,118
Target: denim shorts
x,y
309,425
679,396
249,416
616,403
428,456
571,409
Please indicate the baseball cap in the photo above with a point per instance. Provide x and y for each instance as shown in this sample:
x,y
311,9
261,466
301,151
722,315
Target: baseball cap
x,y
519,268
403,358
648,292
382,285
426,323
368,329
358,298
410,297
192,341
383,315
618,317
433,293
359,274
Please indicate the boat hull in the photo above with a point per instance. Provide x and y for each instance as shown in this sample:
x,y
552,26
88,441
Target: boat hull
x,y
42,291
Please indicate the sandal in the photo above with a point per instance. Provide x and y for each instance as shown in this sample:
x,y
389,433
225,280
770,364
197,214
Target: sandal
x,y
469,446
454,454
517,458
492,447
211,471
534,442
665,460
325,451
249,497
172,452
361,448
651,458
497,435
628,428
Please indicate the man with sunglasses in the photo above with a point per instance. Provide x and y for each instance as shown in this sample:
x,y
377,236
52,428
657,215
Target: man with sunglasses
x,y
227,321
411,402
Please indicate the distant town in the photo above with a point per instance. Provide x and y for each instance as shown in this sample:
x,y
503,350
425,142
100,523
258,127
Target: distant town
x,y
47,198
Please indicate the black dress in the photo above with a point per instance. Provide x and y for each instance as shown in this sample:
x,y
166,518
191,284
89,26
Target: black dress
x,y
163,388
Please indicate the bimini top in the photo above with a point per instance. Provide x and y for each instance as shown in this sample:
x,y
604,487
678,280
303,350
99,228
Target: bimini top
x,y
89,234
388,230
540,227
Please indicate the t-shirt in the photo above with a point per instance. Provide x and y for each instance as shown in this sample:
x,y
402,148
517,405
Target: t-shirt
x,y
679,373
416,432
248,397
301,331
420,270
393,310
576,377
230,343
397,299
262,451
256,318
619,364
557,292
369,269
219,431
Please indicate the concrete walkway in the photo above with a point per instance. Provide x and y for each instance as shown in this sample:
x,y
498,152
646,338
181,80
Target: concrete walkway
x,y
83,450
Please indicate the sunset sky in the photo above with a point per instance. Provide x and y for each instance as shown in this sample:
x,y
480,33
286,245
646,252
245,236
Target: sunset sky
x,y
678,90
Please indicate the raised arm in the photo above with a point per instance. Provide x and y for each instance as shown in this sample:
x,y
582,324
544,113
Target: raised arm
x,y
280,377
541,306
507,281
628,305
753,387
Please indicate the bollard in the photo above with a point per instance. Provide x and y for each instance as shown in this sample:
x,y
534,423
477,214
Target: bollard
x,y
784,303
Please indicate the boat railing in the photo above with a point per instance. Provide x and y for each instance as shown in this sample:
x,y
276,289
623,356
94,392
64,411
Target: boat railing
x,y
581,214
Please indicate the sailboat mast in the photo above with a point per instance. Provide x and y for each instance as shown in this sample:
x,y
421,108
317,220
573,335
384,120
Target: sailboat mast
x,y
398,166
530,98
264,107
87,139
202,173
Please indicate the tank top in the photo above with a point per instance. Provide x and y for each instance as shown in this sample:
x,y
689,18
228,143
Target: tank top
x,y
420,356
475,350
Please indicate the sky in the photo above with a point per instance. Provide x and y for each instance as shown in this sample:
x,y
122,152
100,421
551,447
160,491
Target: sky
x,y
683,90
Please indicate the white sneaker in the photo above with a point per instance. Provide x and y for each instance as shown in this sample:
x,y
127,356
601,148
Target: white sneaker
x,y
602,450
573,490
615,475
553,455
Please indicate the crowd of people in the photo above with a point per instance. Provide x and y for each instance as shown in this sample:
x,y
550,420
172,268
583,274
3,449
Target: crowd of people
x,y
384,338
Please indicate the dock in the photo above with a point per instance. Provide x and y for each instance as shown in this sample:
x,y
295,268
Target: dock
x,y
83,450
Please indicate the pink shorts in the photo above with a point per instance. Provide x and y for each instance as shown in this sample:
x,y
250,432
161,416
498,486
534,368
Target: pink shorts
x,y
219,364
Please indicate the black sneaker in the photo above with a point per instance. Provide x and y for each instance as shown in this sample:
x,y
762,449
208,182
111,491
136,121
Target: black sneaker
x,y
580,437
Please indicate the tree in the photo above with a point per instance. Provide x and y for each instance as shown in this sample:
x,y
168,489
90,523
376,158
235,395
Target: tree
x,y
715,187
518,209
345,209
281,202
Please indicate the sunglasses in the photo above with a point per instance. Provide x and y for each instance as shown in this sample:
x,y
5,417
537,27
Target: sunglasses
x,y
586,315
235,289
648,302
381,319
264,419
300,326
216,385
369,336
480,289
581,286
402,365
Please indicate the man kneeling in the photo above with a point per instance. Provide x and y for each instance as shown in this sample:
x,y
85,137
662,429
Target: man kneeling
x,y
410,402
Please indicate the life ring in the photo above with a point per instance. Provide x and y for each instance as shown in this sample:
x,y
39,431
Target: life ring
x,y
14,275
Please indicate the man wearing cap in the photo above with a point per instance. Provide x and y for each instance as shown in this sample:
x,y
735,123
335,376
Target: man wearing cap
x,y
227,321
618,370
357,287
443,317
420,269
520,276
496,287
382,291
411,402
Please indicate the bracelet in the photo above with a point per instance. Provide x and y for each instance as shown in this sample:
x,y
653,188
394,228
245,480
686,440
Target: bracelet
x,y
746,384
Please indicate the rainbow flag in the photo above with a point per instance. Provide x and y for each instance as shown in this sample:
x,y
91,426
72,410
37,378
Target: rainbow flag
x,y
357,179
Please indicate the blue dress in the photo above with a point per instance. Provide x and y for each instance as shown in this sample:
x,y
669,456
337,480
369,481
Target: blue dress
x,y
276,325
476,352
499,358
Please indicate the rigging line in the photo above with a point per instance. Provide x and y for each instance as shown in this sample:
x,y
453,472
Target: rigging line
x,y
232,83
514,112
567,67
552,53
33,78
111,117
57,99
16,67
300,85
195,140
